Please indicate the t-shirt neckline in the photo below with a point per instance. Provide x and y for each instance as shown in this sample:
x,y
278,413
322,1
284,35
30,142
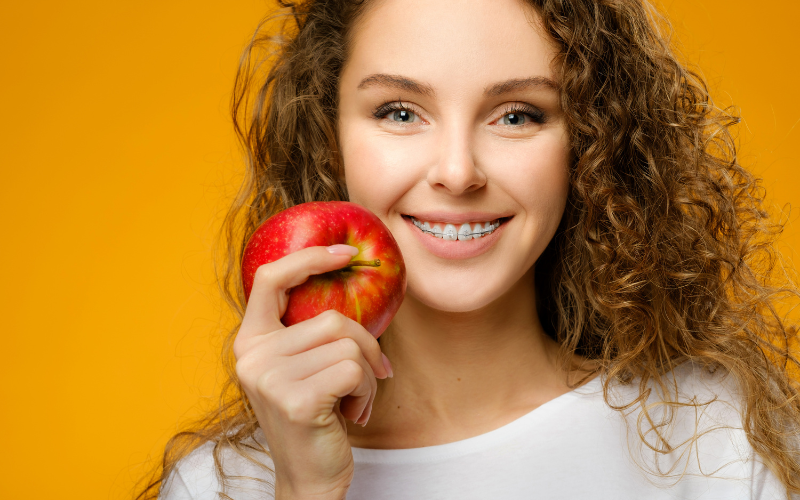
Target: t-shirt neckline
x,y
475,443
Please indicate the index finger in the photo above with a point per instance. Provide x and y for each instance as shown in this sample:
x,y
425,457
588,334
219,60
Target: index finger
x,y
268,298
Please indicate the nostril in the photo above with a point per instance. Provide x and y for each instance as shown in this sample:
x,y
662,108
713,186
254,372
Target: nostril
x,y
457,177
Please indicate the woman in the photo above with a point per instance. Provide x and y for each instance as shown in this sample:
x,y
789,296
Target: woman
x,y
601,330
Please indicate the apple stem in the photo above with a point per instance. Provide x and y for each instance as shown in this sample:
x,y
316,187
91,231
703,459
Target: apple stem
x,y
365,263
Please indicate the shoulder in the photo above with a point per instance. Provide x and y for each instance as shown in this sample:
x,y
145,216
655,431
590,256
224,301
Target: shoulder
x,y
244,471
690,394
690,432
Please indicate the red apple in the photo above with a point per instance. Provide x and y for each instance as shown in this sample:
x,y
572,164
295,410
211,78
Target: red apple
x,y
369,290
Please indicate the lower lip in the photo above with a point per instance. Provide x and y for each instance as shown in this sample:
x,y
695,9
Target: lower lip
x,y
455,249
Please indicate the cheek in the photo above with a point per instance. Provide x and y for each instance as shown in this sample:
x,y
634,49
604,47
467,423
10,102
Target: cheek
x,y
544,184
535,173
380,169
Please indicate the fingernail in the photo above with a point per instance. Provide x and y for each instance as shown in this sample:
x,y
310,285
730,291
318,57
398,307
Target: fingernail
x,y
343,250
369,412
387,365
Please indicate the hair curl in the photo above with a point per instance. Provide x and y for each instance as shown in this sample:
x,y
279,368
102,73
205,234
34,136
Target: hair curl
x,y
664,232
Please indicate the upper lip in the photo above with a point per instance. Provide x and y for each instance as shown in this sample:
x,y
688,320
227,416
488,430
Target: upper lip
x,y
458,217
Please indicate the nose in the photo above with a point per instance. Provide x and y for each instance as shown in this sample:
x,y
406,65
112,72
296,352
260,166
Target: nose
x,y
455,171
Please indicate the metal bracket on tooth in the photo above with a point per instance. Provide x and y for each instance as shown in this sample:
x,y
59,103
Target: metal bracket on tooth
x,y
439,235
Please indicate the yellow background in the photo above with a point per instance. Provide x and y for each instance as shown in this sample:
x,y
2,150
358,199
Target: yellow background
x,y
117,162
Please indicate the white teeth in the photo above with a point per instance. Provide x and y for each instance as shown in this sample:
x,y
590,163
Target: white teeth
x,y
464,232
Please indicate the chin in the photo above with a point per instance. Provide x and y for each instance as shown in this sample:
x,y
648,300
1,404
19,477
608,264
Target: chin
x,y
457,294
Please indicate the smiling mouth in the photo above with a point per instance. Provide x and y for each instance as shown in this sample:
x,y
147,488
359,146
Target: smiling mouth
x,y
457,232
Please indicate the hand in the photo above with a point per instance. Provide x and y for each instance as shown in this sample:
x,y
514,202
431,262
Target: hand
x,y
303,381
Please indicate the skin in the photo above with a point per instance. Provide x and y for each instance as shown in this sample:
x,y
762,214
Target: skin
x,y
467,331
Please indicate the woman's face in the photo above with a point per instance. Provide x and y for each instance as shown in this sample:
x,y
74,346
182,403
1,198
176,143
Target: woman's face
x,y
449,119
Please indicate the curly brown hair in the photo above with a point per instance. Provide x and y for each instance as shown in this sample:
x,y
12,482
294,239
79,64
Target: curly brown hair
x,y
665,253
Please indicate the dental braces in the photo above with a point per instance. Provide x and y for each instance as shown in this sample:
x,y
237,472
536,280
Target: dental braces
x,y
457,234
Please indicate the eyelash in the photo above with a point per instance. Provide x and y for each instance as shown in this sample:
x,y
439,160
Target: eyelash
x,y
387,107
536,115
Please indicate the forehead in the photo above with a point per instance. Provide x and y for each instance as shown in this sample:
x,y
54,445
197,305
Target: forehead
x,y
452,44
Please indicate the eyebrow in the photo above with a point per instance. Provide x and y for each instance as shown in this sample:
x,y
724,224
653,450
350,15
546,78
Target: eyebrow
x,y
405,83
519,84
397,82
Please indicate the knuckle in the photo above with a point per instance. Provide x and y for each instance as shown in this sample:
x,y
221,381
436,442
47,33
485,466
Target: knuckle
x,y
265,385
294,409
333,320
255,368
244,377
263,273
349,348
351,370
245,367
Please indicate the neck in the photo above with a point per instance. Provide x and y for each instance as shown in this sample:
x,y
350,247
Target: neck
x,y
465,368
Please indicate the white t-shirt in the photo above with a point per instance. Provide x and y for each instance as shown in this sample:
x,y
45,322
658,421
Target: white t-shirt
x,y
571,447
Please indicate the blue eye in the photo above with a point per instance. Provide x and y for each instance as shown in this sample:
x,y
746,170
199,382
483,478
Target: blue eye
x,y
402,115
396,112
519,114
515,116
513,119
